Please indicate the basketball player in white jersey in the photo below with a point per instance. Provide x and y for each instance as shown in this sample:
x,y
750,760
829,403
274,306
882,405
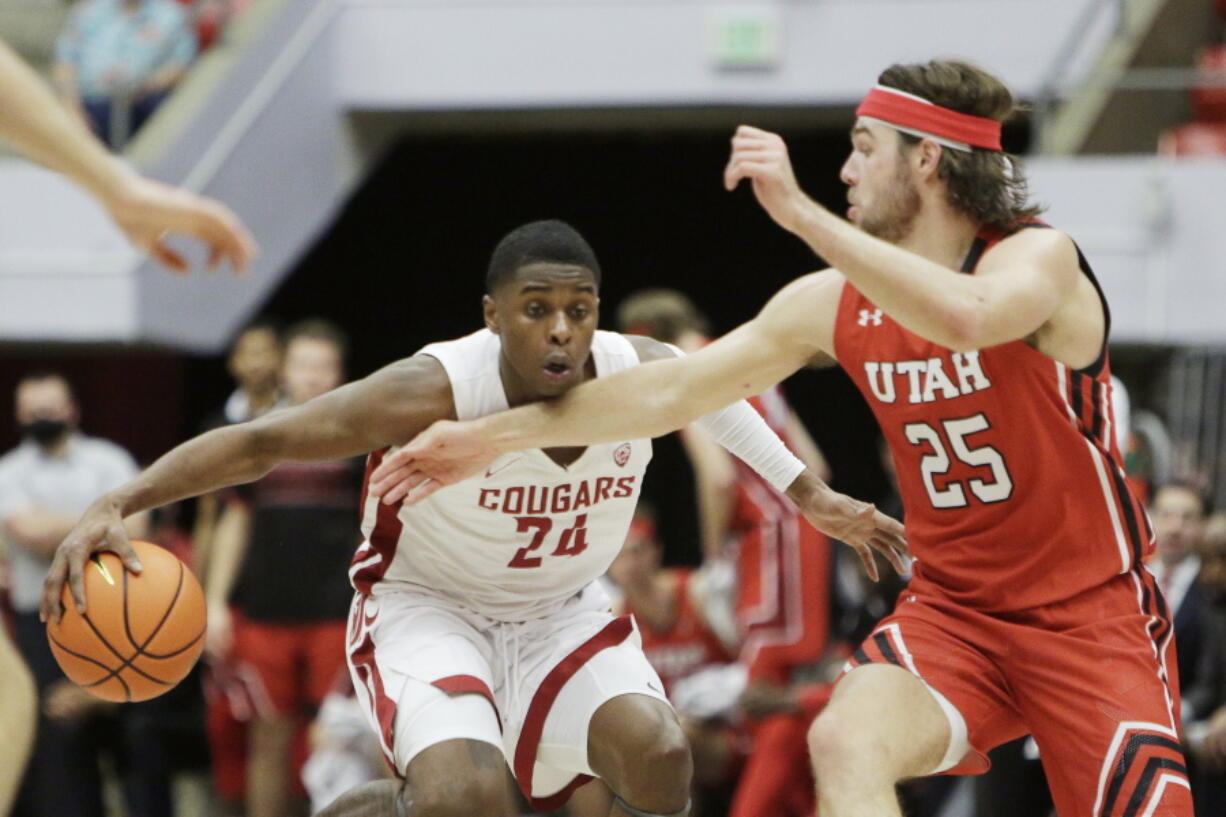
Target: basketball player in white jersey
x,y
478,636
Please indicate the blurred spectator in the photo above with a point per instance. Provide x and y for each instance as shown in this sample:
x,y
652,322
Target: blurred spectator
x,y
1178,512
117,60
45,484
1204,704
286,635
254,362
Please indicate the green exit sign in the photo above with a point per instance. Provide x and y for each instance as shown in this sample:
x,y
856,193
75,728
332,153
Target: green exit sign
x,y
745,37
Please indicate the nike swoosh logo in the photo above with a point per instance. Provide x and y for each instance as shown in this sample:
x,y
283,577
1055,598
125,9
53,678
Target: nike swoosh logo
x,y
654,688
489,472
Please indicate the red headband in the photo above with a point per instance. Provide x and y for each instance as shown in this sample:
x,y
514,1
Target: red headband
x,y
905,110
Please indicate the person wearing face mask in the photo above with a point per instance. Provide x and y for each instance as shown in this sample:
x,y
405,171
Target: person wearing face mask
x,y
45,484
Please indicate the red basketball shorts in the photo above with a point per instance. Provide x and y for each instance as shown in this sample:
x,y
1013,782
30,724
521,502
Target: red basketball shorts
x,y
1093,678
296,664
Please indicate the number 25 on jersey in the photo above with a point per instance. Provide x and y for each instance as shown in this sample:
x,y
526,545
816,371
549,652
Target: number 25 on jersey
x,y
952,436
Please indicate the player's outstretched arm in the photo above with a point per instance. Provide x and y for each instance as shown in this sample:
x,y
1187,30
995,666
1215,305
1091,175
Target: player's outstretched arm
x,y
740,430
1016,289
644,401
390,405
35,122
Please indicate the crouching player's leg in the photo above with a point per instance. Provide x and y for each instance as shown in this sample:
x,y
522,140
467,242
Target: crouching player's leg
x,y
601,712
442,736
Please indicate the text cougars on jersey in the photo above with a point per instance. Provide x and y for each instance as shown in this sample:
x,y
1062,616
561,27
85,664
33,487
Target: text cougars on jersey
x,y
538,500
926,380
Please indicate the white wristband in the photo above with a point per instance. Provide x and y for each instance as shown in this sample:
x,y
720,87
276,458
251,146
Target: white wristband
x,y
745,434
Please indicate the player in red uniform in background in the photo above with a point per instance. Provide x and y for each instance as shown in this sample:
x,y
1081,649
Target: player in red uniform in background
x,y
979,339
783,568
678,640
782,563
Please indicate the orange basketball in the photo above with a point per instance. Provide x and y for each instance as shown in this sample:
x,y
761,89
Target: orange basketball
x,y
140,634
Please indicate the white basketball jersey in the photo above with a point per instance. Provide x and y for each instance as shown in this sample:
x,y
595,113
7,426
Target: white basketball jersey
x,y
520,538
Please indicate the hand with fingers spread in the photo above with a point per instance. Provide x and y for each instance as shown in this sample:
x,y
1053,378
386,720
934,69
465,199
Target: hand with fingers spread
x,y
149,212
100,528
444,454
762,157
860,525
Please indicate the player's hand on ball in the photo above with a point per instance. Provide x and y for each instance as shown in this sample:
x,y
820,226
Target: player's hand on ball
x,y
762,157
860,525
100,528
444,454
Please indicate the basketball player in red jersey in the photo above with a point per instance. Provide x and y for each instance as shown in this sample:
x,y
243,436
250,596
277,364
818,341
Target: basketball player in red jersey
x,y
978,336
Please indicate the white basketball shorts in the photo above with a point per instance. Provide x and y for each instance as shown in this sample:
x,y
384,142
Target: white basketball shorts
x,y
535,684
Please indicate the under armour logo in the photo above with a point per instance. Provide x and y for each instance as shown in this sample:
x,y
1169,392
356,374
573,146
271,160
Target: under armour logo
x,y
870,318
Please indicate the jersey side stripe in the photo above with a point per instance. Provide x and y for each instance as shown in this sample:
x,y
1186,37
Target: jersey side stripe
x,y
1096,419
382,526
1127,502
1108,497
1077,397
1130,513
1108,414
1154,605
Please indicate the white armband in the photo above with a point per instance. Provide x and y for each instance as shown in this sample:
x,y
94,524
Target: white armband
x,y
745,434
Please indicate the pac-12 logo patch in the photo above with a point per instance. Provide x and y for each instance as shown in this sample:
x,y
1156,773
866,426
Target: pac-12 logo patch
x,y
621,454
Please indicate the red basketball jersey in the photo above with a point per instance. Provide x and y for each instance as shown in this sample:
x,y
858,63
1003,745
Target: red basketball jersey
x,y
756,500
685,647
1007,464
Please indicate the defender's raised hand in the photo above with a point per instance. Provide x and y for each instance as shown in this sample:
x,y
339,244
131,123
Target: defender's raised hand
x,y
762,157
149,212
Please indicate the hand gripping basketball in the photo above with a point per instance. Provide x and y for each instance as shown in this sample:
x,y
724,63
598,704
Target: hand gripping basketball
x,y
142,633
100,528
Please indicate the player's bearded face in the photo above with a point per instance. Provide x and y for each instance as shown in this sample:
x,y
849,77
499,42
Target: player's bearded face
x,y
890,210
546,317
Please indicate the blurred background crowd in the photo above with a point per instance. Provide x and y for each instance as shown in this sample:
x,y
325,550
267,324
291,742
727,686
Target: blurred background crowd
x,y
377,215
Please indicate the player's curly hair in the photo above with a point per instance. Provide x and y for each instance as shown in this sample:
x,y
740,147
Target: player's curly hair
x,y
988,185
